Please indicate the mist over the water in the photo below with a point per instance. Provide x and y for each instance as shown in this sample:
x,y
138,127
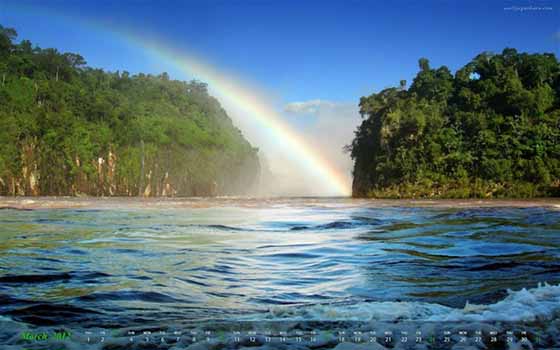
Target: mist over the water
x,y
325,126
328,127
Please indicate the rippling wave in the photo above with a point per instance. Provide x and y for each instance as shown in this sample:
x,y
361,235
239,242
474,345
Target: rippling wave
x,y
277,259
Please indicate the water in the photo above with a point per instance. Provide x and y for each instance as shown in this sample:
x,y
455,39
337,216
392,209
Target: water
x,y
234,259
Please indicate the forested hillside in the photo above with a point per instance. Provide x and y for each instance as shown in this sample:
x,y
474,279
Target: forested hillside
x,y
490,130
69,129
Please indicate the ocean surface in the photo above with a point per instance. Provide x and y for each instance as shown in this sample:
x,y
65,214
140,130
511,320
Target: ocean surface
x,y
123,263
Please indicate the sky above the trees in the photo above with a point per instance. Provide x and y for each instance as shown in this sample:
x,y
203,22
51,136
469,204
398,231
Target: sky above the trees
x,y
299,50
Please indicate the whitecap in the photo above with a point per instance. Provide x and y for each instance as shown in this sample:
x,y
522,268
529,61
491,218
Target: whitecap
x,y
540,303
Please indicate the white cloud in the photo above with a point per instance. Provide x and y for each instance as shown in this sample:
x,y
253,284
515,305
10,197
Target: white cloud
x,y
308,107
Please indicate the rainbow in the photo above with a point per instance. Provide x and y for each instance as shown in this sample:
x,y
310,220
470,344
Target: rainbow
x,y
233,93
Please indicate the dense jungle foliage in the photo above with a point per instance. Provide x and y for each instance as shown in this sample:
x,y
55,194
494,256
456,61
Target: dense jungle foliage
x,y
490,130
69,129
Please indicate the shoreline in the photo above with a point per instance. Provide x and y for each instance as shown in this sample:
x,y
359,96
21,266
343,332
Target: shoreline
x,y
63,202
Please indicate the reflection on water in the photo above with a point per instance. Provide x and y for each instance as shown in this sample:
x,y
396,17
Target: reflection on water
x,y
131,264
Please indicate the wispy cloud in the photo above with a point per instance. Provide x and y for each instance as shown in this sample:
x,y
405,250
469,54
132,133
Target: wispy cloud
x,y
308,107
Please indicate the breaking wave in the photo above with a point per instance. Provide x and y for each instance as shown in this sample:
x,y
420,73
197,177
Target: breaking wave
x,y
525,305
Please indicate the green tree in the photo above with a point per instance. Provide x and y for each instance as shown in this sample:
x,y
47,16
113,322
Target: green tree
x,y
68,129
490,130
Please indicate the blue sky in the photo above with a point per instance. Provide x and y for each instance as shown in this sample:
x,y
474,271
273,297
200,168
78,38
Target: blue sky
x,y
299,50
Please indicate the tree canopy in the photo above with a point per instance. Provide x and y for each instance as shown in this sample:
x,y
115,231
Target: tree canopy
x,y
69,129
490,130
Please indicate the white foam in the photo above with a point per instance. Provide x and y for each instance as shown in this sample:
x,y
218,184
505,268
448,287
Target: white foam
x,y
542,302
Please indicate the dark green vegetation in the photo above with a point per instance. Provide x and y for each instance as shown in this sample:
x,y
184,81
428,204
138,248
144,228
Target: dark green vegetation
x,y
68,129
492,130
